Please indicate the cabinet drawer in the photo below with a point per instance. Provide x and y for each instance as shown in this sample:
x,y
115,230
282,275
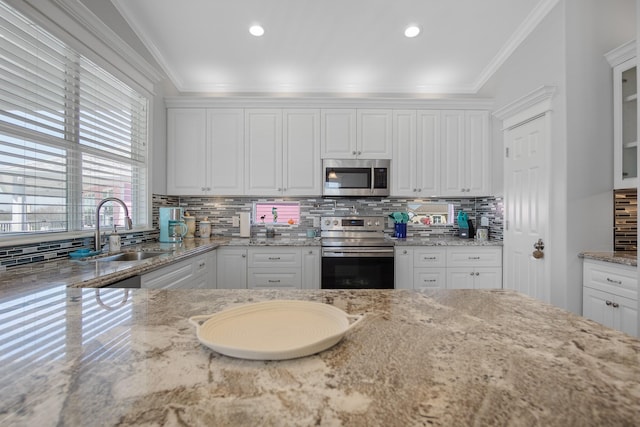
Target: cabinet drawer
x,y
429,257
172,276
274,278
269,257
474,257
429,278
617,279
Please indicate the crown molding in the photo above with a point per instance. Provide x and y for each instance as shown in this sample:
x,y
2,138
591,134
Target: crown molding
x,y
532,21
328,101
621,53
531,105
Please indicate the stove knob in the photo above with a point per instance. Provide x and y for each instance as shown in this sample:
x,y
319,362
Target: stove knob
x,y
327,222
335,222
368,223
377,223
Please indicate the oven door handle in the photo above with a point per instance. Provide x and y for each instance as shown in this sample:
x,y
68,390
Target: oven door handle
x,y
358,252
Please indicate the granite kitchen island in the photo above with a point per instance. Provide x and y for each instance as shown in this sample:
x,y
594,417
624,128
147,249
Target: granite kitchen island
x,y
84,357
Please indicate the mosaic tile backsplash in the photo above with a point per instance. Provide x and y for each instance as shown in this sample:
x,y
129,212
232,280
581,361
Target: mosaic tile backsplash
x,y
221,210
625,234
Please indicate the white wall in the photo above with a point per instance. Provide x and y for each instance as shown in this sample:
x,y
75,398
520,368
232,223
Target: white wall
x,y
566,51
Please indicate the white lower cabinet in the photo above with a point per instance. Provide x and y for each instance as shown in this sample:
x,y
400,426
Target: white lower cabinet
x,y
458,267
610,295
198,272
269,267
232,268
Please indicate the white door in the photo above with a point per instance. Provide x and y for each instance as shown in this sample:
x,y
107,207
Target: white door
x,y
526,207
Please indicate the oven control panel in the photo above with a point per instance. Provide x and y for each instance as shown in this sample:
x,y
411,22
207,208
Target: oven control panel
x,y
352,223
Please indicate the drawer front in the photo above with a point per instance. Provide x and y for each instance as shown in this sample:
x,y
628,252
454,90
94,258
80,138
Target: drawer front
x,y
267,257
618,280
474,257
172,276
429,257
429,278
270,278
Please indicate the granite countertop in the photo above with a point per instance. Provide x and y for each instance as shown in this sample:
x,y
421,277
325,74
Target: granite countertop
x,y
89,273
624,258
443,241
448,358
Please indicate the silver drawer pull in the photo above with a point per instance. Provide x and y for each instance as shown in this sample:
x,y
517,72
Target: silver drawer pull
x,y
274,281
429,280
429,257
474,257
608,302
202,264
615,305
274,258
617,282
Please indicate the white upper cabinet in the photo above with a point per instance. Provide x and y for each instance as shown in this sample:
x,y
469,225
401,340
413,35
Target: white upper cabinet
x,y
465,153
356,134
205,151
263,167
374,134
225,155
625,116
338,133
302,175
416,149
186,148
283,148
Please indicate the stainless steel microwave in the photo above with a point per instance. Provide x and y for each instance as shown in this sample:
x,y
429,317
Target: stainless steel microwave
x,y
347,177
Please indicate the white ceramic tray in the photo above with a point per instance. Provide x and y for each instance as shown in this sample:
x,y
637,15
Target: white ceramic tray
x,y
274,330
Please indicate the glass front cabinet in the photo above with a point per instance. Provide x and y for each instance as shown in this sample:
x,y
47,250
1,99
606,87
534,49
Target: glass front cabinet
x,y
625,113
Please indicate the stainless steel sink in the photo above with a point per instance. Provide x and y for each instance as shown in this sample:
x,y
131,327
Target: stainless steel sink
x,y
132,256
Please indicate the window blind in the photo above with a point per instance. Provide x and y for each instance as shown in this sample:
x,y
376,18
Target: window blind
x,y
71,134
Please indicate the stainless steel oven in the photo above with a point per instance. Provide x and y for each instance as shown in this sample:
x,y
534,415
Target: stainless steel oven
x,y
355,254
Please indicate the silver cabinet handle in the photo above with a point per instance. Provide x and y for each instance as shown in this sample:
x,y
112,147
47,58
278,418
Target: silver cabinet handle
x,y
244,255
404,252
471,274
616,305
274,258
353,152
274,281
474,257
617,282
429,258
202,264
477,274
429,280
608,302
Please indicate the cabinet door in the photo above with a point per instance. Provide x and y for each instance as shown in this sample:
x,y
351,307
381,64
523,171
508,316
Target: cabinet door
x,y
596,305
311,265
625,117
263,136
225,158
452,153
476,153
338,133
187,151
231,268
204,271
301,152
487,278
374,134
625,315
403,267
427,154
430,278
460,278
174,276
404,149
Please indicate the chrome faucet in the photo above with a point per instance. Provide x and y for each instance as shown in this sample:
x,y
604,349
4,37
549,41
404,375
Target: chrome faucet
x,y
128,225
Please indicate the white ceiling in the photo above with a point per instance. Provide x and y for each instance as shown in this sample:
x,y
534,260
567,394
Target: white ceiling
x,y
332,46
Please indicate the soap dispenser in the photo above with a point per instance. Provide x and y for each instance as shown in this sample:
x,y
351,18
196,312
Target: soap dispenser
x,y
114,241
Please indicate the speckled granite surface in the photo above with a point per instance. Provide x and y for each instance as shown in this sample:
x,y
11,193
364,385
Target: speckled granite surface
x,y
108,357
443,241
625,258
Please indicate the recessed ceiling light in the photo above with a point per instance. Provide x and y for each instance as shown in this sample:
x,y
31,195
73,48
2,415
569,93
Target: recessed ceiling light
x,y
256,30
412,31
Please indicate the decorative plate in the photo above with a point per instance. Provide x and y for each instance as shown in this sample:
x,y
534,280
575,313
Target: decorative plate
x,y
274,330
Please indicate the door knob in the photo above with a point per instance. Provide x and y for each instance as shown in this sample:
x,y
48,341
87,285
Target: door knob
x,y
539,247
